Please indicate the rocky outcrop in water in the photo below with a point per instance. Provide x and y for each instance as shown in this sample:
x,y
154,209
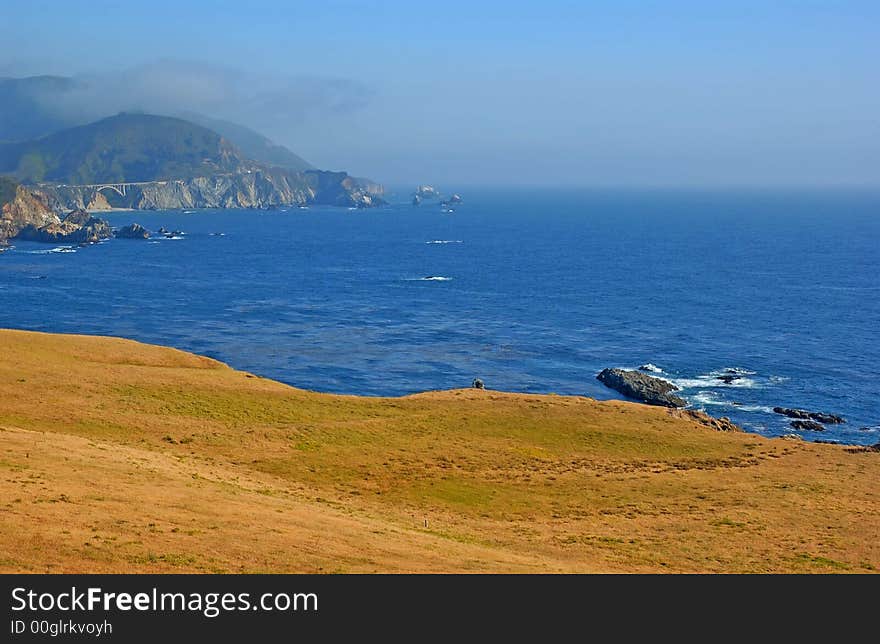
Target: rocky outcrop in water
x,y
810,425
133,231
641,387
77,227
23,208
427,192
803,414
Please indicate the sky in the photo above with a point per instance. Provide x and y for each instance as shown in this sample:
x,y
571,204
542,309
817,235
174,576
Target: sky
x,y
617,93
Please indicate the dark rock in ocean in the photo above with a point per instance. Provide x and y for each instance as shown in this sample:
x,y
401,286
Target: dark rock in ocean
x,y
728,378
416,200
162,230
133,231
427,192
803,414
454,199
641,387
811,425
478,384
827,419
791,413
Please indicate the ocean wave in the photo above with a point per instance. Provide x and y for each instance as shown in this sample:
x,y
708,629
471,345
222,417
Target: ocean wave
x,y
732,377
444,241
47,251
650,367
709,381
430,278
763,409
707,398
714,399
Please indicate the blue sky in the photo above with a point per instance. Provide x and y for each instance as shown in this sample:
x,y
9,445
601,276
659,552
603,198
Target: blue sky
x,y
551,93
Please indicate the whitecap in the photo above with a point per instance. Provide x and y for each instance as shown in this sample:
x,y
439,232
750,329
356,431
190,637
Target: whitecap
x,y
712,380
430,278
756,408
650,367
737,371
708,398
444,241
46,251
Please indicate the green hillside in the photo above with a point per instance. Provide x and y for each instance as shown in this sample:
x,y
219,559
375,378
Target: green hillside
x,y
126,147
7,190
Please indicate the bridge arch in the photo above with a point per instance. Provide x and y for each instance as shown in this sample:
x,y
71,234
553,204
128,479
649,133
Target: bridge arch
x,y
118,188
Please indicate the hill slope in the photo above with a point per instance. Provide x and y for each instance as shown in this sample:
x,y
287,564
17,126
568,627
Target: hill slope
x,y
37,106
252,144
142,458
126,147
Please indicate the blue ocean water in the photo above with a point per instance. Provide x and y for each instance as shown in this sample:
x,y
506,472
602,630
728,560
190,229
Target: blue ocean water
x,y
539,291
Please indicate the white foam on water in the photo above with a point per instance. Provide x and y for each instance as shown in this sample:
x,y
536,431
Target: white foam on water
x,y
708,398
650,367
444,241
47,251
755,408
711,380
430,278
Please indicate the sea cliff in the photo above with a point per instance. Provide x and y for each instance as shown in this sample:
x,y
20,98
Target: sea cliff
x,y
264,188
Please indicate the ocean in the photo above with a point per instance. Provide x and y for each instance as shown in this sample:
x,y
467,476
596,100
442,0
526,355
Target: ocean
x,y
528,290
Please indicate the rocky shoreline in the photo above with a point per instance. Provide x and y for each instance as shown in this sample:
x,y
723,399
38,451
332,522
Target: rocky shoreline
x,y
263,188
652,390
37,213
641,387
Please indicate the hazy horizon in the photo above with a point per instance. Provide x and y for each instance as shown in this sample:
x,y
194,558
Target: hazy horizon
x,y
604,94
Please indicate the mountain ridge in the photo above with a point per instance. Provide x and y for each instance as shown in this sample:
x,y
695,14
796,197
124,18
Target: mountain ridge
x,y
32,107
176,164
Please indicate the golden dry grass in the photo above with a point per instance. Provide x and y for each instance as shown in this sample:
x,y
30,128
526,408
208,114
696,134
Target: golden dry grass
x,y
117,456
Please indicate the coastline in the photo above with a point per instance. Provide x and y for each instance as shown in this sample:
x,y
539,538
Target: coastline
x,y
154,459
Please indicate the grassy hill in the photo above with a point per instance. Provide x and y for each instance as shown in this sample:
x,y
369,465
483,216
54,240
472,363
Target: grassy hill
x,y
122,457
126,147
